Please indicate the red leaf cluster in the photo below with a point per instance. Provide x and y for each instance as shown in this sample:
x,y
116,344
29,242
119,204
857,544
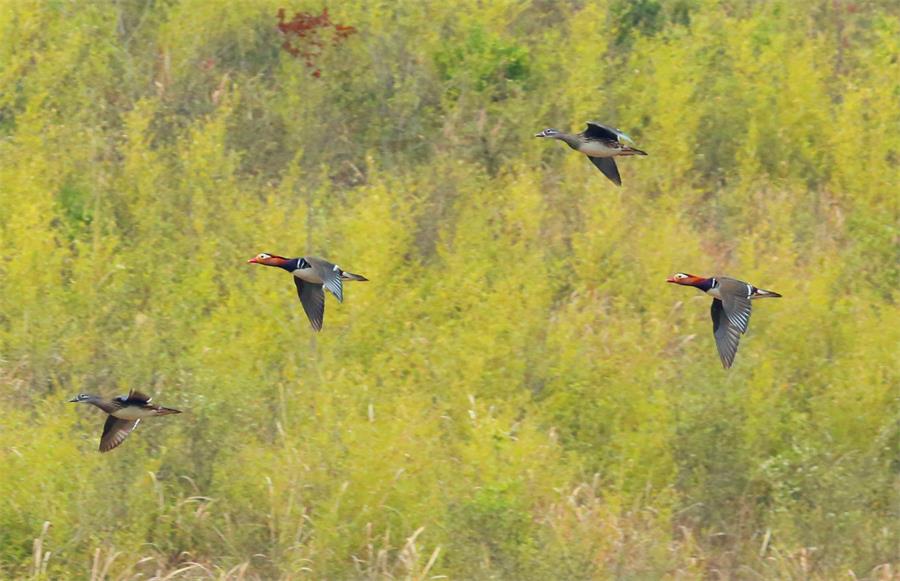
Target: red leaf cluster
x,y
305,35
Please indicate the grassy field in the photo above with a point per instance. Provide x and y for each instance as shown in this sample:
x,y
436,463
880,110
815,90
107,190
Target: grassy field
x,y
517,393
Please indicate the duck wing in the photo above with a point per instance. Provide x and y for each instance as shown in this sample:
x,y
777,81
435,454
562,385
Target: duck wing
x,y
727,335
726,331
330,274
312,297
608,166
115,431
736,301
137,396
599,131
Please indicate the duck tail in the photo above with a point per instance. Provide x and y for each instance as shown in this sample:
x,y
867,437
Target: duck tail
x,y
350,276
634,151
166,411
762,293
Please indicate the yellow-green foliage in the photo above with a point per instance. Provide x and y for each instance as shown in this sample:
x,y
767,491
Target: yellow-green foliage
x,y
516,394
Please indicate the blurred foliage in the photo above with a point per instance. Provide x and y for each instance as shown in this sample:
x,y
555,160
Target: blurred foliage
x,y
488,61
517,394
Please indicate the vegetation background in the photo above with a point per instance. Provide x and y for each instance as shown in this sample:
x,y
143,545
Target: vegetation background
x,y
516,394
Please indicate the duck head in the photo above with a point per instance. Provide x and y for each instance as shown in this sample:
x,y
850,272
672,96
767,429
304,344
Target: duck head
x,y
548,133
268,259
83,398
685,279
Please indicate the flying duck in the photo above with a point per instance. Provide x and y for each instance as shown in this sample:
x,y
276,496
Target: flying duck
x,y
125,413
730,308
311,274
600,144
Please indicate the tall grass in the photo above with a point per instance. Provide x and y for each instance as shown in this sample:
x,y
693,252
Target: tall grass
x,y
516,394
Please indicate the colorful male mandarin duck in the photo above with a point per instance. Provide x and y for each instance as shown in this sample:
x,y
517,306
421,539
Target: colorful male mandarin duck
x,y
125,413
600,144
730,308
311,275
